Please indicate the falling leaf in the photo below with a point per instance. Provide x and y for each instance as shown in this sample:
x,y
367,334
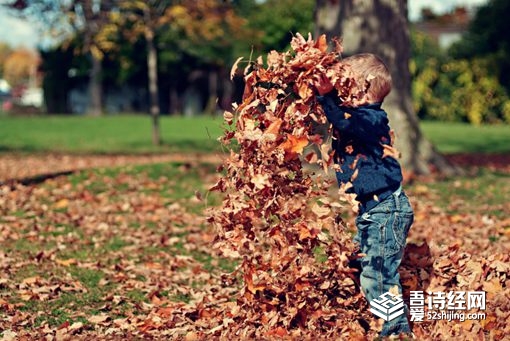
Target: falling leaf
x,y
390,151
322,43
320,211
294,145
274,128
260,180
233,71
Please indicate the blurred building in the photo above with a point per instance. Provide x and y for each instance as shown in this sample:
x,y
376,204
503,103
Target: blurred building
x,y
32,97
445,29
4,86
5,95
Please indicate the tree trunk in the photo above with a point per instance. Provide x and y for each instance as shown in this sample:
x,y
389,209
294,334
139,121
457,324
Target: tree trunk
x,y
93,24
174,106
212,101
381,27
152,65
228,90
95,87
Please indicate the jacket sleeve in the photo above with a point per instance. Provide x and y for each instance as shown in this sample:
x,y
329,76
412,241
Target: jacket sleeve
x,y
334,114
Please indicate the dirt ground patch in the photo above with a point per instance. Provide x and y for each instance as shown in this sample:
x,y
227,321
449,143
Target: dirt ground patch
x,y
18,166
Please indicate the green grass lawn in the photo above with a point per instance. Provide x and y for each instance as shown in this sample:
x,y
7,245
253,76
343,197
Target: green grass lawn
x,y
464,138
132,134
109,134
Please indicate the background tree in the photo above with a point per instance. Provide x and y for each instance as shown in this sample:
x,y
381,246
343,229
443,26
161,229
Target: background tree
x,y
488,37
55,65
65,19
381,27
89,17
5,51
180,36
210,32
456,89
20,68
144,18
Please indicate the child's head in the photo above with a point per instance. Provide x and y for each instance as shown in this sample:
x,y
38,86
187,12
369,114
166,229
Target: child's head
x,y
367,67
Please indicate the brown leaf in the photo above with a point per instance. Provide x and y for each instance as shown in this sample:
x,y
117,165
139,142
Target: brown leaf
x,y
98,319
390,151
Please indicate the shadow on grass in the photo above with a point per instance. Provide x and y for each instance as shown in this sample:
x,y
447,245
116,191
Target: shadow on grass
x,y
34,180
23,149
489,146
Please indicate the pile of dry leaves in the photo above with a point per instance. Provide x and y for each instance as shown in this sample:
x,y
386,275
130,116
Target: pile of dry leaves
x,y
276,217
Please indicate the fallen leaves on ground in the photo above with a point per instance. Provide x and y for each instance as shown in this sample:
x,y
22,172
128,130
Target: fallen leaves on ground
x,y
104,253
124,258
275,216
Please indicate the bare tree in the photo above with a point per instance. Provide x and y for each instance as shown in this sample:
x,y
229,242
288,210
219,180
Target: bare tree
x,y
381,27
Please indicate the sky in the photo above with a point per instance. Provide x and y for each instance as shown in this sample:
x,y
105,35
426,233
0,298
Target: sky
x,y
20,33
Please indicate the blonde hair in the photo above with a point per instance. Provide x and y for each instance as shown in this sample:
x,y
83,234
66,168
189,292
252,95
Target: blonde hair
x,y
369,68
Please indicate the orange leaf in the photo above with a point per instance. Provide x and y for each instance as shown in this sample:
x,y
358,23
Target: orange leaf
x,y
248,279
294,145
304,90
62,203
300,285
274,127
321,43
66,262
304,232
278,331
31,280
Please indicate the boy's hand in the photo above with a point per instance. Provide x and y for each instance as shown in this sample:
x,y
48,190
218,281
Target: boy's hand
x,y
335,114
330,104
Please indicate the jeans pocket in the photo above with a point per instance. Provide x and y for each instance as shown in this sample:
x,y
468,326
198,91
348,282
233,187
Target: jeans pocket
x,y
398,232
371,231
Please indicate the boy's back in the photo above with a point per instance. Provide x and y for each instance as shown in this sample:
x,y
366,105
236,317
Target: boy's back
x,y
360,137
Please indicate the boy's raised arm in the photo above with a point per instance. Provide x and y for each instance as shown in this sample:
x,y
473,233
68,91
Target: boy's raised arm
x,y
333,112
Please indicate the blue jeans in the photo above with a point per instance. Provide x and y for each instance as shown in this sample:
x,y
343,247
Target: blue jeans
x,y
382,233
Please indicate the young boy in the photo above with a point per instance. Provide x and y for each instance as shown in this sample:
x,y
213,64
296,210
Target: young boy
x,y
361,136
